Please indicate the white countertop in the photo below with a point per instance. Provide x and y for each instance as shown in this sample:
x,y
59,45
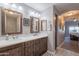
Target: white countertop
x,y
22,38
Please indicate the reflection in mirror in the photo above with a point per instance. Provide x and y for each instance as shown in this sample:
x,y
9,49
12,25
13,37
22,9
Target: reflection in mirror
x,y
34,25
26,21
11,22
43,25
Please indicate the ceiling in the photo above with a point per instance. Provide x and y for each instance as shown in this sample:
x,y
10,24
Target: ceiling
x,y
65,7
61,7
39,6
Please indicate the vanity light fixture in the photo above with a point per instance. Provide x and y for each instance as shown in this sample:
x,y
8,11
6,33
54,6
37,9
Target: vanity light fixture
x,y
6,3
20,8
35,14
14,6
39,15
32,14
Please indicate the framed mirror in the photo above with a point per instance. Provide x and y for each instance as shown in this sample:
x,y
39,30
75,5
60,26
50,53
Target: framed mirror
x,y
26,22
11,22
43,25
34,26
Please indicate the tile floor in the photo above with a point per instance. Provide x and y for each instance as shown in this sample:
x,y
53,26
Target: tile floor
x,y
71,45
68,48
47,54
62,52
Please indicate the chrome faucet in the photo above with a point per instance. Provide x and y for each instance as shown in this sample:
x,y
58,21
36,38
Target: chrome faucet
x,y
14,37
7,37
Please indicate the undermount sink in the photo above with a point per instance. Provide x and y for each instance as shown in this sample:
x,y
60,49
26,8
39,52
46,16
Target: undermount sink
x,y
36,34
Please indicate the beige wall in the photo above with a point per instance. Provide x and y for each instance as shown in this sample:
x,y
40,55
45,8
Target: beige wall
x,y
60,38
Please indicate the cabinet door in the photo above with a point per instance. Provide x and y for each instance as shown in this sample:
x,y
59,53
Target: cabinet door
x,y
37,47
15,50
29,51
29,48
6,53
43,45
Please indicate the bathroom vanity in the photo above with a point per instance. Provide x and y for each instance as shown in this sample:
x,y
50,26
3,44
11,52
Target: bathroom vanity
x,y
31,45
15,42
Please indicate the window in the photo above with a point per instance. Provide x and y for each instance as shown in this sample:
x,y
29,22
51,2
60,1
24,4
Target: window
x,y
74,29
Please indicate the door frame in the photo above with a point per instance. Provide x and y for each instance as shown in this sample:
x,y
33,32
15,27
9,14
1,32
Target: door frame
x,y
56,22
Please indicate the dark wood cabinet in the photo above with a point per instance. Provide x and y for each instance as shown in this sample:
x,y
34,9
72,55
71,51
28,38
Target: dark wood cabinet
x,y
35,47
14,50
29,48
43,45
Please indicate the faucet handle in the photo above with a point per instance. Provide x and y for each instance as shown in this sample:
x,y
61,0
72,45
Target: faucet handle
x,y
7,37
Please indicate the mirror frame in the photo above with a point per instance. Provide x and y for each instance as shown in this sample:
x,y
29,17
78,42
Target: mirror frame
x,y
31,24
42,21
3,21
